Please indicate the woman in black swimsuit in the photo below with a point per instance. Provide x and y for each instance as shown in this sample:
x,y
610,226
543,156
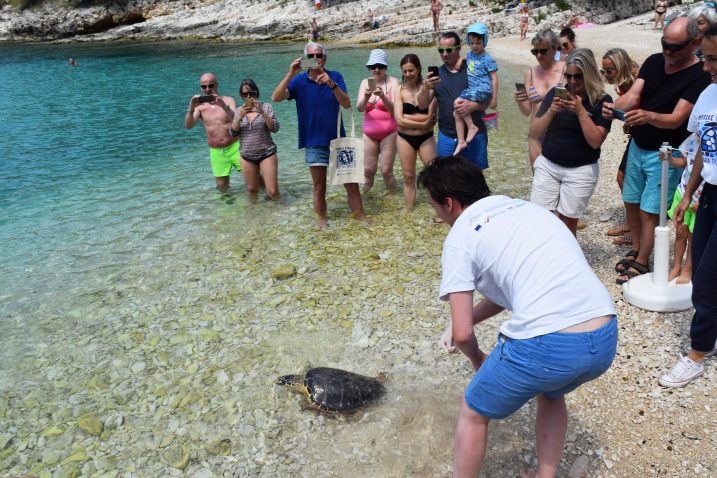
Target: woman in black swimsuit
x,y
660,10
415,127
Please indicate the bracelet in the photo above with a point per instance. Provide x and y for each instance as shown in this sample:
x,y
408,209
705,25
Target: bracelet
x,y
334,87
583,117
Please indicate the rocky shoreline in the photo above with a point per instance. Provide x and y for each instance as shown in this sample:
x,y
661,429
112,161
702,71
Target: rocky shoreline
x,y
404,22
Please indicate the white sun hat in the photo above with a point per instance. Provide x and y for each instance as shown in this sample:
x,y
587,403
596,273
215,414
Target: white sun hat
x,y
377,57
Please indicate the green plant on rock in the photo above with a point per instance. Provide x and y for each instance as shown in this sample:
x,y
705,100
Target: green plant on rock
x,y
471,3
539,17
562,5
496,9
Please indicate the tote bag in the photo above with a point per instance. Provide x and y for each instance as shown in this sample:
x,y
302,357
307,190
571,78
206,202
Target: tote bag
x,y
346,159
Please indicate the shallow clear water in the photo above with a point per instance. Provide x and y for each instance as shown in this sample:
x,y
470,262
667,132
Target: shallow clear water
x,y
133,292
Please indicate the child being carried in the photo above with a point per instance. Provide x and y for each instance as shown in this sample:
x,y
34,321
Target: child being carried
x,y
482,83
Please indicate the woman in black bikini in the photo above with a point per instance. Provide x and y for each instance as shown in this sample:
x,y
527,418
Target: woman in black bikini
x,y
415,127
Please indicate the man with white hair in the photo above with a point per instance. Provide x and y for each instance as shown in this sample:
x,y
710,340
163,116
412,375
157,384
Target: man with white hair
x,y
318,93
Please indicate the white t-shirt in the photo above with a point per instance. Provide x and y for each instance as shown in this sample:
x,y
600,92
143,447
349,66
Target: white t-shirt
x,y
703,121
521,257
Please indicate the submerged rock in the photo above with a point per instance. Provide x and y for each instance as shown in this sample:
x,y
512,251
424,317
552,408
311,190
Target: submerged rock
x,y
284,272
90,424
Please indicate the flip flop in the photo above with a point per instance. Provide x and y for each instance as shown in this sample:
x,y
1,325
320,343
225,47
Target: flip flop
x,y
639,268
617,231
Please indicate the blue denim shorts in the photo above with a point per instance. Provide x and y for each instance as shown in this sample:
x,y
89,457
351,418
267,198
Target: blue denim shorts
x,y
643,175
551,365
317,156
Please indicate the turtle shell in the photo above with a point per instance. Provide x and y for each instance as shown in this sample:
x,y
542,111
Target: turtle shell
x,y
334,390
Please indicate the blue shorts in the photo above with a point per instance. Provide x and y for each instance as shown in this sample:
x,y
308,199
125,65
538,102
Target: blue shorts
x,y
476,152
551,365
317,156
643,176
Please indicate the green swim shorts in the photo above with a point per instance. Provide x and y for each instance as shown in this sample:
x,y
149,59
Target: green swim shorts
x,y
690,215
224,158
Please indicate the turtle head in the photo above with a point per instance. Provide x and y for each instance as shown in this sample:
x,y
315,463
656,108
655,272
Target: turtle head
x,y
293,381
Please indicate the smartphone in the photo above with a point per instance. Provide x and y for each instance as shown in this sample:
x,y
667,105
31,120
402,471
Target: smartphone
x,y
618,114
372,84
206,99
433,70
520,86
561,92
249,102
307,63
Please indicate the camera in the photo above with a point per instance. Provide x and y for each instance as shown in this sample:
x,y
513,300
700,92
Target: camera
x,y
206,99
618,114
372,84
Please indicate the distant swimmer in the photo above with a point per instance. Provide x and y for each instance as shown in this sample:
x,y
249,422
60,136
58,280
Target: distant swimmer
x,y
217,113
72,62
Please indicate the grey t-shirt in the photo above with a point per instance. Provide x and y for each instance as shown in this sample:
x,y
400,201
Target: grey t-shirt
x,y
450,88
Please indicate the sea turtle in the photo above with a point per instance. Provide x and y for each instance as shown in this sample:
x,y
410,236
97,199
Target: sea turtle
x,y
334,390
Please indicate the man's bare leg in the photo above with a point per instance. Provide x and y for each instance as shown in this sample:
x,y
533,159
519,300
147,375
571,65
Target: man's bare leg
x,y
469,443
551,425
222,183
318,179
633,219
353,193
648,223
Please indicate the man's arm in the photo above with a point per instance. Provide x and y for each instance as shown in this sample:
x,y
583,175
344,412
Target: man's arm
x,y
462,324
281,92
191,117
673,120
627,101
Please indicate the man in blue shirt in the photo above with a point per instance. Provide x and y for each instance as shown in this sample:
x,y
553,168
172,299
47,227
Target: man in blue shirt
x,y
318,94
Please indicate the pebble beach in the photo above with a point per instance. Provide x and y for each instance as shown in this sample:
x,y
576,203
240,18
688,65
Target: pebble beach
x,y
176,378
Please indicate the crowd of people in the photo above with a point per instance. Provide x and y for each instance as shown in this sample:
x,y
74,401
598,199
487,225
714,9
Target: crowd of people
x,y
519,255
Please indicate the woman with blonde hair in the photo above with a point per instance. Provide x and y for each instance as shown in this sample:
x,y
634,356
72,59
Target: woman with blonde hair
x,y
566,171
539,80
620,70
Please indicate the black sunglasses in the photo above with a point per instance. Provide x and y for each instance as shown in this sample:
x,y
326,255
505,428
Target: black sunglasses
x,y
377,66
314,55
674,46
608,71
542,51
576,76
204,87
252,94
447,50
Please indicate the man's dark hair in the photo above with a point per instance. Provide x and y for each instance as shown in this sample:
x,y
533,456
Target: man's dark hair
x,y
711,32
568,32
454,177
454,35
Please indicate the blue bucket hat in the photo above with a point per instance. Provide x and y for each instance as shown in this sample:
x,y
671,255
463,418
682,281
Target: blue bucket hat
x,y
478,29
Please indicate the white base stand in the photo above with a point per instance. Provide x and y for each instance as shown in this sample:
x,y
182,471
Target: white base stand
x,y
642,292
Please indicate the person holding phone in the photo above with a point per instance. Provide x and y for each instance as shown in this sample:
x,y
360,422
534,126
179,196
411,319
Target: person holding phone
x,y
375,100
216,114
566,171
254,123
319,93
619,70
539,80
415,127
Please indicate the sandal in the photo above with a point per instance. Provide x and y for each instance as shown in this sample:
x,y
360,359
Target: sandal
x,y
625,263
640,268
618,231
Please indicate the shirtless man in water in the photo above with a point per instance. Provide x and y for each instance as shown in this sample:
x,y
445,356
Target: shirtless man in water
x,y
217,116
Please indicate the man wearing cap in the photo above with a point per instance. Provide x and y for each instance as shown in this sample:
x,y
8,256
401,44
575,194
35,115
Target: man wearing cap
x,y
318,93
452,79
217,116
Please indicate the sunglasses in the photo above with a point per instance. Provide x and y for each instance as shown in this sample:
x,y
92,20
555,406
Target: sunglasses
x,y
542,51
576,76
608,71
565,45
447,50
674,46
210,85
249,94
314,55
377,66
